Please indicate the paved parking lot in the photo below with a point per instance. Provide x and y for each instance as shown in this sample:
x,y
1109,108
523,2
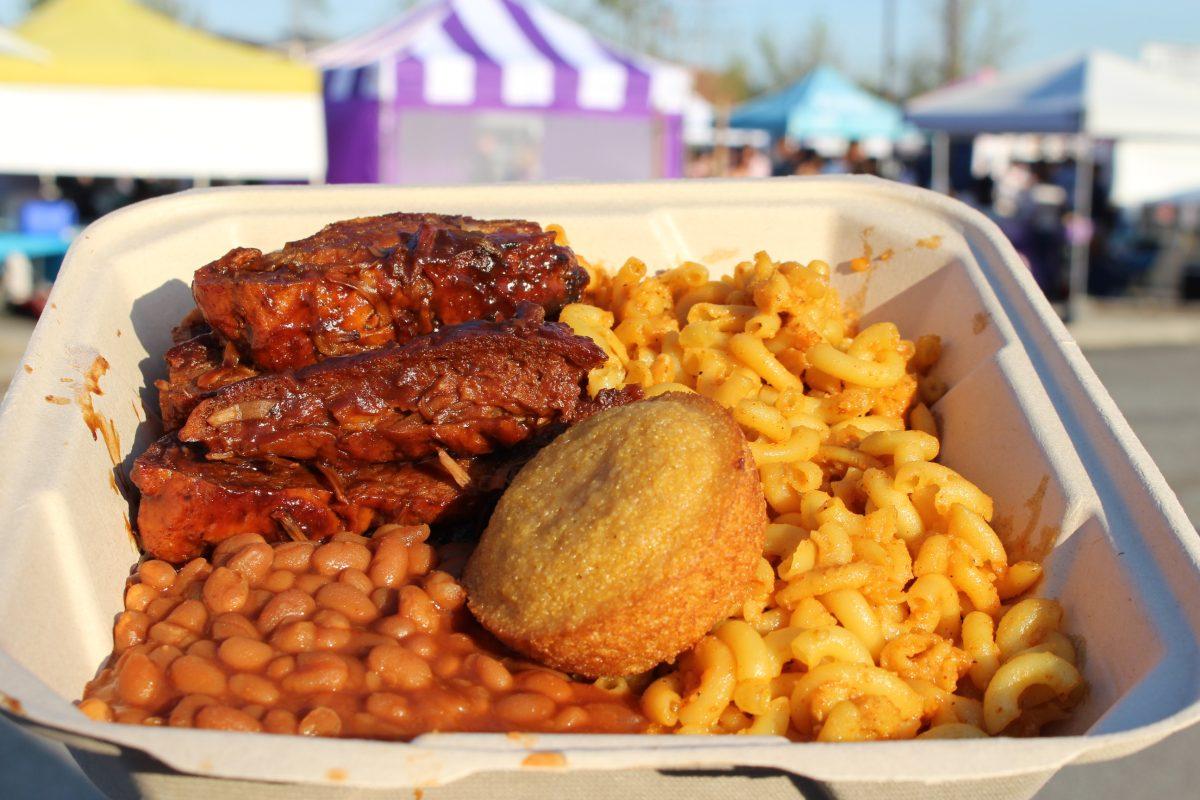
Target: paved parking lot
x,y
1156,386
1158,390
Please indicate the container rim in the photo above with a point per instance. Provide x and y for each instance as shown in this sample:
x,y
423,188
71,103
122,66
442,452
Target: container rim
x,y
432,754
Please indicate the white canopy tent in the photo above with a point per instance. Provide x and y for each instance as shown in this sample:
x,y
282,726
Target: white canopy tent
x,y
1096,95
1153,171
1099,94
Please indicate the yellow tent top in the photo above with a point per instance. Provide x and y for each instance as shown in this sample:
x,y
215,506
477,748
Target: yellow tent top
x,y
122,43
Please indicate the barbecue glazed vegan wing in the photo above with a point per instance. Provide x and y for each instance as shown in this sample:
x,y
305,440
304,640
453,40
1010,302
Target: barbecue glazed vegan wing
x,y
196,366
364,283
189,503
469,390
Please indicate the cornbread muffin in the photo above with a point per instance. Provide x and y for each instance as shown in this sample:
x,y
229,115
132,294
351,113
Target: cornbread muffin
x,y
621,543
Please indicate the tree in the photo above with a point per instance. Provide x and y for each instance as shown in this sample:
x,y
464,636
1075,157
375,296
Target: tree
x,y
729,86
952,32
300,13
997,33
975,34
781,64
645,26
786,65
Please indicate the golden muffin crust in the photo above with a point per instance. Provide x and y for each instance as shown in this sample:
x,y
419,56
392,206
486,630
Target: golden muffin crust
x,y
622,542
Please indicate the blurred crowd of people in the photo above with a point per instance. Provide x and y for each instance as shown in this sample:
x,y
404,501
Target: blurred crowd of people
x,y
88,198
1034,204
1152,250
1155,250
786,158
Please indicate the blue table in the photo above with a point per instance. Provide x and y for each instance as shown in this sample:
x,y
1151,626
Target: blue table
x,y
33,245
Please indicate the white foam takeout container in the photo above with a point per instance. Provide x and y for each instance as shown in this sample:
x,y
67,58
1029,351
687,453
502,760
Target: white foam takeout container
x,y
1025,418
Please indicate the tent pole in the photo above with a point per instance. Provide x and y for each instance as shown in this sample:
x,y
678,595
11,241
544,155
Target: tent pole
x,y
940,179
721,139
1077,277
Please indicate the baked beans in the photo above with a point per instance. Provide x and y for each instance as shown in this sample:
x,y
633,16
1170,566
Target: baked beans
x,y
355,637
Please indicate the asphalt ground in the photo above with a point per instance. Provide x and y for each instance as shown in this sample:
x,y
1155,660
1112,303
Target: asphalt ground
x,y
1157,386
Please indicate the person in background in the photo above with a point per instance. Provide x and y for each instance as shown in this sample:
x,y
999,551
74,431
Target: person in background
x,y
49,214
1040,209
809,162
487,162
751,163
112,194
982,194
81,191
700,164
1104,277
785,158
853,162
868,166
15,191
527,163
908,170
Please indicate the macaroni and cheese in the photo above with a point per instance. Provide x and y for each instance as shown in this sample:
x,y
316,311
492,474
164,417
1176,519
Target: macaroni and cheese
x,y
885,604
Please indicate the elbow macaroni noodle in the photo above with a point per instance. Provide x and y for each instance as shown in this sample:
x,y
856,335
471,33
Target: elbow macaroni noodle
x,y
884,606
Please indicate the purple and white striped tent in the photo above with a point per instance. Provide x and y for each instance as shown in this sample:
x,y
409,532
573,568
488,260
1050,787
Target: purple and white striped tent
x,y
460,91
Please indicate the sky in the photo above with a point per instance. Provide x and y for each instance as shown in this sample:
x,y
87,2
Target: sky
x,y
716,31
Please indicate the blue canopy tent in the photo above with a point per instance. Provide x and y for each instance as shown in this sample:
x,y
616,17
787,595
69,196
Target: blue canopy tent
x,y
824,104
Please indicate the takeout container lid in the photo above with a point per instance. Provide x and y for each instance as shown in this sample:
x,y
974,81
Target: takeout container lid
x,y
1026,418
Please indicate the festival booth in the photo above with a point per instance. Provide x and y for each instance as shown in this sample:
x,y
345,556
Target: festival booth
x,y
1152,117
825,109
463,91
112,88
